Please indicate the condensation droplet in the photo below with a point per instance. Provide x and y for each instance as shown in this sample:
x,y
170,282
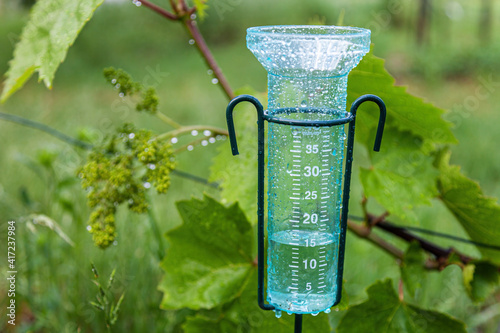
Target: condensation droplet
x,y
303,103
131,135
151,166
191,41
89,228
215,80
115,243
121,94
194,132
173,140
193,16
210,72
207,133
315,313
147,185
190,147
328,311
113,81
204,142
211,140
277,313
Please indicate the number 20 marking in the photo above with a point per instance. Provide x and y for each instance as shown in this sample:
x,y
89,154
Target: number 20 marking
x,y
310,218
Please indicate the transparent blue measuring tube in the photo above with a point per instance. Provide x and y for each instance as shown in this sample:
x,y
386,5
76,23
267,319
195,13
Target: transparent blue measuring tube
x,y
307,80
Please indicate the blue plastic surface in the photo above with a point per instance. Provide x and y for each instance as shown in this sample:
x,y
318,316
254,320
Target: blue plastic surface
x,y
307,71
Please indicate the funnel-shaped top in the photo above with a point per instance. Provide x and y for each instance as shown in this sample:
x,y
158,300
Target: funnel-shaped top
x,y
298,51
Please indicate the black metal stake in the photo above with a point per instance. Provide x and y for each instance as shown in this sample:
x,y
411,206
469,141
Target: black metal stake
x,y
261,116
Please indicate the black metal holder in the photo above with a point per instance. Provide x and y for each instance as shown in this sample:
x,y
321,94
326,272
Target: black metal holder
x,y
261,116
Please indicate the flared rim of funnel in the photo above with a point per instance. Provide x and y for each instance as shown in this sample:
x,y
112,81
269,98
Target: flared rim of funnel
x,y
309,31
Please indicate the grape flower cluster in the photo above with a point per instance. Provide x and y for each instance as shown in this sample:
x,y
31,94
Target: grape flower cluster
x,y
120,170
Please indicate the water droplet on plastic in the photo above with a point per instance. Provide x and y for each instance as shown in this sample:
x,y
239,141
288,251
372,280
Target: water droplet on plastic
x,y
215,80
194,132
204,142
295,131
191,42
210,72
131,135
117,86
334,152
207,133
303,103
328,311
151,166
113,81
277,313
190,147
211,140
147,185
89,228
193,16
115,243
173,140
289,313
315,313
121,94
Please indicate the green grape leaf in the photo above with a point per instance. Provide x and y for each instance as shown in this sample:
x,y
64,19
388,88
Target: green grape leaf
x,y
209,259
412,268
404,111
384,312
237,175
244,315
51,30
201,8
401,176
481,279
478,214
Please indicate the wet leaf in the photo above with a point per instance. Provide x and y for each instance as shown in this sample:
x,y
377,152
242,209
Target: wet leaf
x,y
384,312
51,30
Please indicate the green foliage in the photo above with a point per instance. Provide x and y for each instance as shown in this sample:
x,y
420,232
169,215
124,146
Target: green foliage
x,y
413,268
52,29
210,266
209,258
385,312
481,279
120,170
478,214
201,8
232,171
401,176
105,299
126,86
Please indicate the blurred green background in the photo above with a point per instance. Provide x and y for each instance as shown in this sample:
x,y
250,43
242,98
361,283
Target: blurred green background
x,y
449,54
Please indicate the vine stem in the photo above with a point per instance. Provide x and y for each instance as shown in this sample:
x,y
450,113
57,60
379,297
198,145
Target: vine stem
x,y
441,255
160,10
187,129
46,129
166,119
208,56
184,14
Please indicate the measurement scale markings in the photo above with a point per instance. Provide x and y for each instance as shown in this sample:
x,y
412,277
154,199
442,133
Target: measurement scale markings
x,y
293,266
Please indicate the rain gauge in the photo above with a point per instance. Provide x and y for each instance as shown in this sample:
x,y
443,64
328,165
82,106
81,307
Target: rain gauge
x,y
309,156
